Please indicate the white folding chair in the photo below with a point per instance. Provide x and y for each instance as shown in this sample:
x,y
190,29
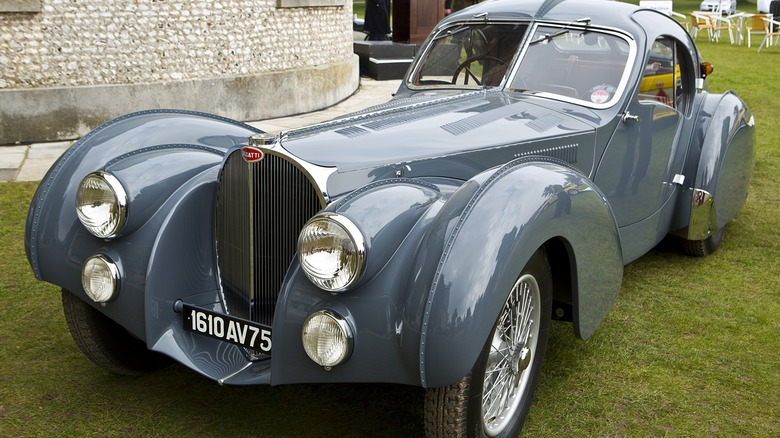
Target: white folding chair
x,y
718,24
771,30
754,25
700,22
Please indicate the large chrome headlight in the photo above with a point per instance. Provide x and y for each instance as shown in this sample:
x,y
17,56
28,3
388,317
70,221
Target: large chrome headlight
x,y
332,252
327,338
101,204
100,278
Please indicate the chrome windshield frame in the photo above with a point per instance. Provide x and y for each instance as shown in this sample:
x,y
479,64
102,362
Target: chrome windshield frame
x,y
517,60
620,89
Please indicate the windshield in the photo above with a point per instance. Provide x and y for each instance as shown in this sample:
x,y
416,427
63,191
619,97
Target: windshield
x,y
470,55
576,64
579,64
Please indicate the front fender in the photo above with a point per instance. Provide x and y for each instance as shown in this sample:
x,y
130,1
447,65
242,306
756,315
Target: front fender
x,y
519,208
385,211
392,215
154,154
52,230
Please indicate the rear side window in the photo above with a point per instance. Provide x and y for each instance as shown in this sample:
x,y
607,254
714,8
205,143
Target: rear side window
x,y
665,77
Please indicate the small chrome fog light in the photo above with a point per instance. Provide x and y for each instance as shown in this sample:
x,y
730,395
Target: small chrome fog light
x,y
100,278
327,338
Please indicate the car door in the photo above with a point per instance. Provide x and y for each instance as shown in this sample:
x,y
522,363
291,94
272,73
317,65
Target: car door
x,y
636,170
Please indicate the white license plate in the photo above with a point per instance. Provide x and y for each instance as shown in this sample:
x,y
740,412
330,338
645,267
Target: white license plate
x,y
227,328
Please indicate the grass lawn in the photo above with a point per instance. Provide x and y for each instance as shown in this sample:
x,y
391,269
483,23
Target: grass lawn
x,y
691,347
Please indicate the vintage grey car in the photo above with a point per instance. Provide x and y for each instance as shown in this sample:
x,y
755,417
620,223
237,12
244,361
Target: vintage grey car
x,y
533,149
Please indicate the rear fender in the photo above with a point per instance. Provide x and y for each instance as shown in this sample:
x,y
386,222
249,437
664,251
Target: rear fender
x,y
723,170
515,210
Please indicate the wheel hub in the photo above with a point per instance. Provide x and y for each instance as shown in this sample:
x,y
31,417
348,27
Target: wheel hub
x,y
521,359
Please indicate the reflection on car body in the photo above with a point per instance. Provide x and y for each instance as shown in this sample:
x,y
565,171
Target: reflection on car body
x,y
533,149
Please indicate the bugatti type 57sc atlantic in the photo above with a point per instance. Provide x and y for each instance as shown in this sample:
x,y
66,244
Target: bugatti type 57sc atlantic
x,y
532,150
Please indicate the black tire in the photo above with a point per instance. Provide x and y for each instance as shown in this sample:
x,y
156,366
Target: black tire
x,y
460,410
105,342
704,247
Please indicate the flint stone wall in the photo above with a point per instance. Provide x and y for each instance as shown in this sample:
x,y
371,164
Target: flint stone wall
x,y
86,61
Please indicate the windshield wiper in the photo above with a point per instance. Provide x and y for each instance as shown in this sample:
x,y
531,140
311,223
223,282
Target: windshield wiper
x,y
483,16
549,37
450,33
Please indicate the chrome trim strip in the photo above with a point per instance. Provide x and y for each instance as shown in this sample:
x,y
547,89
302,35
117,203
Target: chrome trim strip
x,y
317,175
222,380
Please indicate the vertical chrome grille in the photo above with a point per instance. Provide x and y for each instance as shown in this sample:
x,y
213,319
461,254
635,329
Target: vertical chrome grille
x,y
261,208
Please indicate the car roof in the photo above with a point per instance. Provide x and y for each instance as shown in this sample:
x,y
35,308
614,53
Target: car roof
x,y
606,13
641,24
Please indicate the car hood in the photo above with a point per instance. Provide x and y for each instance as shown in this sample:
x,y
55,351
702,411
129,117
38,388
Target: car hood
x,y
424,127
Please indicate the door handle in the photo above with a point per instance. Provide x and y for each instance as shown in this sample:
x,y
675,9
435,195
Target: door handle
x,y
628,116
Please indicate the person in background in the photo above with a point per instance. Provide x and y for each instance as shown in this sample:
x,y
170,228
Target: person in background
x,y
377,23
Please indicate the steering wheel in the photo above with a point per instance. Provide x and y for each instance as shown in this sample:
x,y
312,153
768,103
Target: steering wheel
x,y
465,66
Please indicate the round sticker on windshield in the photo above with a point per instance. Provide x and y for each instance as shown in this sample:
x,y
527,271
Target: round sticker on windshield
x,y
599,96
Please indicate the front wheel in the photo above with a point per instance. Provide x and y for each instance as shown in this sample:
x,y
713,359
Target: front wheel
x,y
105,342
495,397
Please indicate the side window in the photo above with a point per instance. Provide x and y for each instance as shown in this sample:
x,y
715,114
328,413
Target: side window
x,y
665,77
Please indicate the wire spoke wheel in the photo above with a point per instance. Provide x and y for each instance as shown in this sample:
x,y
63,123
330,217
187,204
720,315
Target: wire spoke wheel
x,y
495,397
511,350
